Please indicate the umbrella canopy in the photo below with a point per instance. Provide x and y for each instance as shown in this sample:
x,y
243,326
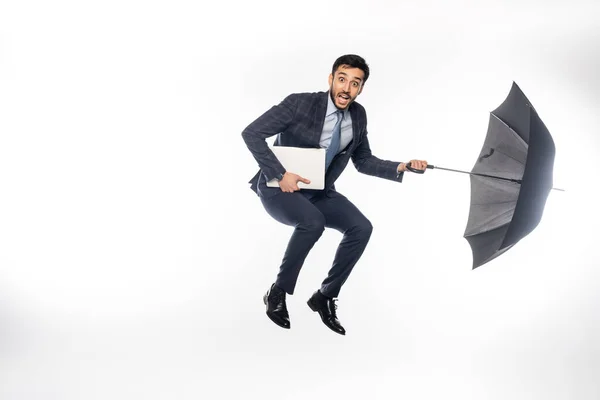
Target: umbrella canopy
x,y
519,149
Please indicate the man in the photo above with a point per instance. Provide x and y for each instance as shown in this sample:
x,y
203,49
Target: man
x,y
334,121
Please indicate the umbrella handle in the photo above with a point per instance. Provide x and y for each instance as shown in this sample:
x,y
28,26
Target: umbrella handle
x,y
417,171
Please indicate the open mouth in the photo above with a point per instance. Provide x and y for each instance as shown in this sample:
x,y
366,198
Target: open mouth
x,y
343,99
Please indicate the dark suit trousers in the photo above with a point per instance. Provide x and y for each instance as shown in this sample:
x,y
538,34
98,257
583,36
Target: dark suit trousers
x,y
310,214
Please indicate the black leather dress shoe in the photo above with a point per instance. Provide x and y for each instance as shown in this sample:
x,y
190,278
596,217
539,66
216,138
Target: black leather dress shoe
x,y
274,299
326,307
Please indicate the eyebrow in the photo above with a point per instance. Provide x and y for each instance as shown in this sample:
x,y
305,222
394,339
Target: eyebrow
x,y
343,73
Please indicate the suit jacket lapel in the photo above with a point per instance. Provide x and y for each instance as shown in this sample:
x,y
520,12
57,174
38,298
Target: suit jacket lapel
x,y
320,118
355,125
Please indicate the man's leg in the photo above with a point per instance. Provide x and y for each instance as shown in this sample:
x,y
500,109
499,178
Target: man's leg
x,y
294,209
342,215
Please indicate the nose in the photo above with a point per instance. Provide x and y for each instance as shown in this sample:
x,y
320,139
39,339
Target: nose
x,y
347,87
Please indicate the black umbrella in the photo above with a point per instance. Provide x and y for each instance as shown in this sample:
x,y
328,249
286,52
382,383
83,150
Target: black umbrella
x,y
510,180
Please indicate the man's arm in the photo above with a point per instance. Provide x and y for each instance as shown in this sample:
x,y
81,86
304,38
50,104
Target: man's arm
x,y
272,122
366,163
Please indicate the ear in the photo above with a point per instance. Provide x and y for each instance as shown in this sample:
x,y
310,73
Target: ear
x,y
330,79
362,85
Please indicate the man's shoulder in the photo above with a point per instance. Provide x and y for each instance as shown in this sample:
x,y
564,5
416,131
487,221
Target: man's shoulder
x,y
306,100
308,96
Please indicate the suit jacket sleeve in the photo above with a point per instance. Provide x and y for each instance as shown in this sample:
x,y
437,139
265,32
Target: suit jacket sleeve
x,y
366,163
272,122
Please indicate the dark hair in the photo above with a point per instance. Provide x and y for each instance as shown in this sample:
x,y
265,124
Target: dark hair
x,y
353,61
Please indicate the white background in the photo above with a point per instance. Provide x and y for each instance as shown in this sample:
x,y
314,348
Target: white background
x,y
133,255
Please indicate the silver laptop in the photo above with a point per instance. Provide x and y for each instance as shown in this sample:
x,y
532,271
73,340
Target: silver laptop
x,y
308,163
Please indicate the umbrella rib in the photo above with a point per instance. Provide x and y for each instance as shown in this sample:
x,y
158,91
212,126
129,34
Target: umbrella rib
x,y
519,138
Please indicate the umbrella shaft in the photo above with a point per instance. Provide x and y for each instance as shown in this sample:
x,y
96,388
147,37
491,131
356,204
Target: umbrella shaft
x,y
474,173
487,176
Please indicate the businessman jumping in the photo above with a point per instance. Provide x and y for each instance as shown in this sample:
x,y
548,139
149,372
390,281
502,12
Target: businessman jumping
x,y
335,121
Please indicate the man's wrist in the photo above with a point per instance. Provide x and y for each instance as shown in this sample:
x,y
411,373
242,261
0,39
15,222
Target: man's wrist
x,y
399,170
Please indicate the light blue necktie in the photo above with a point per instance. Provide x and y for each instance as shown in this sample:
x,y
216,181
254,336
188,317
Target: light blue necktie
x,y
334,146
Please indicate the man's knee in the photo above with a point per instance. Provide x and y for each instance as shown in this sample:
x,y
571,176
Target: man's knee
x,y
363,228
314,224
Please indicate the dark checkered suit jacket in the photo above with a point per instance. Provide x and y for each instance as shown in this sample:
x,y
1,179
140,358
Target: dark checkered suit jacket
x,y
298,121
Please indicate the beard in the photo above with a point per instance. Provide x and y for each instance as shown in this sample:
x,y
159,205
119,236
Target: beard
x,y
339,102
